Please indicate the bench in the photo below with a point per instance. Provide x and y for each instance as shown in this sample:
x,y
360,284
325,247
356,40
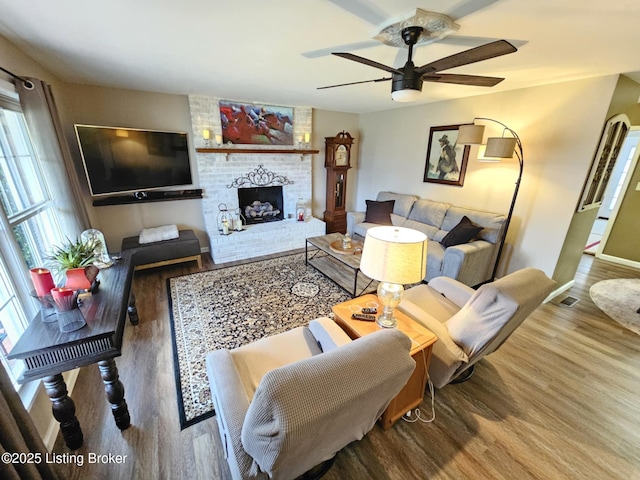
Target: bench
x,y
185,248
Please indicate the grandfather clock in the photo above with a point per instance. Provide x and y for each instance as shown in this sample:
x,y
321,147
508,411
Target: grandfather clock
x,y
337,160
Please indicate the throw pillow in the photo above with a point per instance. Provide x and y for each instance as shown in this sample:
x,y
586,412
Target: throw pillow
x,y
379,212
461,233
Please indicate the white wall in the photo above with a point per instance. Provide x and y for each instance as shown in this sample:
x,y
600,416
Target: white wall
x,y
559,126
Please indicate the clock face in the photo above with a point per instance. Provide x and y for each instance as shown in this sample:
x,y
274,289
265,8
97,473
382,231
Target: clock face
x,y
341,156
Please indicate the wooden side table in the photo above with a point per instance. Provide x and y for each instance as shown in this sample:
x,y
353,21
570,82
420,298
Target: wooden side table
x,y
47,352
422,341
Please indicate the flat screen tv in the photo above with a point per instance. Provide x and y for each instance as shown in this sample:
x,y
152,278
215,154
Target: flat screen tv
x,y
122,160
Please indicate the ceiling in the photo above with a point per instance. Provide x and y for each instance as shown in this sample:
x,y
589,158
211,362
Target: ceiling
x,y
278,51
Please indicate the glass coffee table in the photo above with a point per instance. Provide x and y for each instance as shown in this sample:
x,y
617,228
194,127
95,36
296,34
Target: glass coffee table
x,y
341,266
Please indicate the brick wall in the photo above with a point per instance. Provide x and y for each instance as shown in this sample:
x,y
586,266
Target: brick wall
x,y
217,171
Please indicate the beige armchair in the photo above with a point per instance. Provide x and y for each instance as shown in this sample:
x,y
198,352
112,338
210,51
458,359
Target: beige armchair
x,y
472,323
287,403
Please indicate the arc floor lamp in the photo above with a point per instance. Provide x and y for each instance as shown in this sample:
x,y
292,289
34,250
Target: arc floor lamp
x,y
497,148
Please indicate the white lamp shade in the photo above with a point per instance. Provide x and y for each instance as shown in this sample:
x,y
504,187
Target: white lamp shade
x,y
406,95
470,134
501,147
394,255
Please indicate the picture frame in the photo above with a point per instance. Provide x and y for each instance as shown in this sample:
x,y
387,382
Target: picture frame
x,y
255,124
446,162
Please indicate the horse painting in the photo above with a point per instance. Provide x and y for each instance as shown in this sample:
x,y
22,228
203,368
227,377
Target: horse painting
x,y
251,124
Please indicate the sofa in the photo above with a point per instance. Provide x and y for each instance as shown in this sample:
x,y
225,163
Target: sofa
x,y
470,262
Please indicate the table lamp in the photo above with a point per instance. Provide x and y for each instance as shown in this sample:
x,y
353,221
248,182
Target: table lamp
x,y
395,256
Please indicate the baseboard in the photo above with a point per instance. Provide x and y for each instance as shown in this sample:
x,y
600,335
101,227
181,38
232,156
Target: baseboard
x,y
618,260
559,291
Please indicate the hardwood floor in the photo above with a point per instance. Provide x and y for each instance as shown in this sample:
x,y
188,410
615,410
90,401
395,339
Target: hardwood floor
x,y
559,400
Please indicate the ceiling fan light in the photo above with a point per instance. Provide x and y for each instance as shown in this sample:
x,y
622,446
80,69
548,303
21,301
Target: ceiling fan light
x,y
406,95
470,134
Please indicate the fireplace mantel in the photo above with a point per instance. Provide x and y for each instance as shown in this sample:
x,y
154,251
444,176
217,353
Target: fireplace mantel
x,y
278,151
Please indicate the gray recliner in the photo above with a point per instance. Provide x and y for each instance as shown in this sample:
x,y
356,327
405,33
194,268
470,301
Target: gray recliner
x,y
472,323
287,403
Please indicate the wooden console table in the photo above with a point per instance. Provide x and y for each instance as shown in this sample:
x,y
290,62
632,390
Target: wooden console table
x,y
47,352
422,341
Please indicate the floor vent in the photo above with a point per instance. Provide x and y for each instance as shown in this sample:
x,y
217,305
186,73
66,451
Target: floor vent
x,y
568,302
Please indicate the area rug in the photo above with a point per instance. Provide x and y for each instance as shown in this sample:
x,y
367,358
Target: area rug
x,y
620,299
229,307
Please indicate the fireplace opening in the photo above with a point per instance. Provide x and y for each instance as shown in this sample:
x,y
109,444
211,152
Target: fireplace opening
x,y
261,204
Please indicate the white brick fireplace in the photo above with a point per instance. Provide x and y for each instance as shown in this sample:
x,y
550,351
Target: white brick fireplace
x,y
221,173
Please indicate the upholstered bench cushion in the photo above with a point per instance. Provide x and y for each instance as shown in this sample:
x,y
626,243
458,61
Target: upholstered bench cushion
x,y
185,247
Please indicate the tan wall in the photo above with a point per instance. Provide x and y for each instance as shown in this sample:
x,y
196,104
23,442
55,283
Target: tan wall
x,y
329,124
117,107
623,100
622,241
135,109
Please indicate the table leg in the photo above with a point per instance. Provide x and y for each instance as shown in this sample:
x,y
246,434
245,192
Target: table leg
x,y
64,410
115,393
306,252
132,310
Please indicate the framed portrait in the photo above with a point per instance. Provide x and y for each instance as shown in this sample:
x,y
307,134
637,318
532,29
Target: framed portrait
x,y
446,160
255,124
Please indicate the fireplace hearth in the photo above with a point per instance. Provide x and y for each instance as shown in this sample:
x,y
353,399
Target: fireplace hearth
x,y
261,204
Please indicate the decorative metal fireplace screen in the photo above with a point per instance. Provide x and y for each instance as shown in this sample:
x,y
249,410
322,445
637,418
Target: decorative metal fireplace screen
x,y
260,195
261,204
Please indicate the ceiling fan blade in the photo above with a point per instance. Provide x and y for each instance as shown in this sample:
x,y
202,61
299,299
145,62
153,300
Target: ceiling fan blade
x,y
364,10
384,79
352,46
366,61
468,8
473,80
483,52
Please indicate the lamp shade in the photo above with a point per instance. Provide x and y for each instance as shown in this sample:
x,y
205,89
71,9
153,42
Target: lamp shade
x,y
405,95
394,255
470,134
501,147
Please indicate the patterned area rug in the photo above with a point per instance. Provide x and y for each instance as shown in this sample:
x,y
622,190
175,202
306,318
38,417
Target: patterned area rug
x,y
620,299
232,306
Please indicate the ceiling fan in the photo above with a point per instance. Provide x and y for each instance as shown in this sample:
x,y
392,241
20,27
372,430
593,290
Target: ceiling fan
x,y
407,81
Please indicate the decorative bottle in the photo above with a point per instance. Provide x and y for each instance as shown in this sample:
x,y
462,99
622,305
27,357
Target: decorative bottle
x,y
346,241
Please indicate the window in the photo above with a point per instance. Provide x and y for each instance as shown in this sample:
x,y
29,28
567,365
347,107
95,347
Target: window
x,y
613,135
29,227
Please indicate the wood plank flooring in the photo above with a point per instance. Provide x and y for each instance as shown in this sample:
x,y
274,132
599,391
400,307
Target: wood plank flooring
x,y
559,400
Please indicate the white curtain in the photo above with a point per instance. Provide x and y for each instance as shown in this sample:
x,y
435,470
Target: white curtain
x,y
43,120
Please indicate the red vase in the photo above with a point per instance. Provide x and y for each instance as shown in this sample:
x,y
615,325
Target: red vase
x,y
77,279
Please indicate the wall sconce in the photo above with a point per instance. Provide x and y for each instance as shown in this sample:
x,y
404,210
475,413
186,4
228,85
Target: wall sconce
x,y
307,137
218,140
496,149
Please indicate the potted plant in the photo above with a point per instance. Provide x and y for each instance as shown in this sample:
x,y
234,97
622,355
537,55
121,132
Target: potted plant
x,y
75,260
